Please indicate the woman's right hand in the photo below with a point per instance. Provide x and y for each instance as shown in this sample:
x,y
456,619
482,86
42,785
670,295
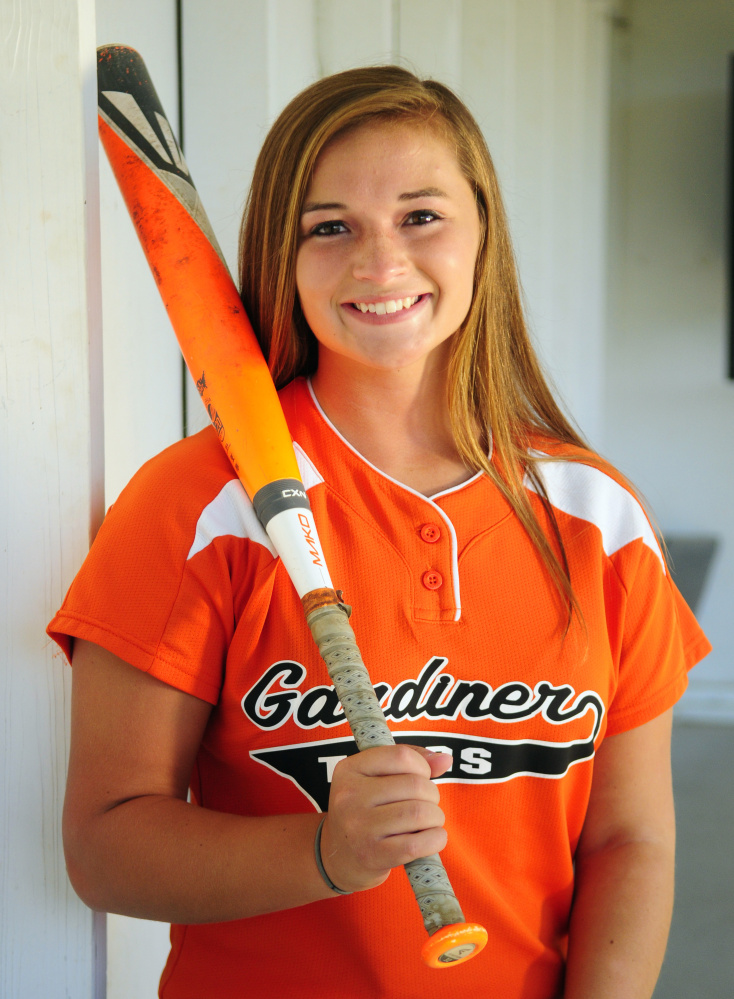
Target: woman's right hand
x,y
383,812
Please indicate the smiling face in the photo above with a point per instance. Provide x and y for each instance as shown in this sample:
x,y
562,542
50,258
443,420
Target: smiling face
x,y
388,241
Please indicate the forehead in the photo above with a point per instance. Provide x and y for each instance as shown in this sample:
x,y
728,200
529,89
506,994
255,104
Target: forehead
x,y
386,155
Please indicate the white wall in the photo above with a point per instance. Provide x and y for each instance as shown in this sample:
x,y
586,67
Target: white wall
x,y
670,410
51,473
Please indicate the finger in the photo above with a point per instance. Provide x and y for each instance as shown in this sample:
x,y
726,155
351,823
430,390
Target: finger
x,y
383,761
401,845
439,762
367,827
400,850
359,792
402,818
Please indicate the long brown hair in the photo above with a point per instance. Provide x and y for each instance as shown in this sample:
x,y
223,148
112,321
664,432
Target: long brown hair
x,y
495,381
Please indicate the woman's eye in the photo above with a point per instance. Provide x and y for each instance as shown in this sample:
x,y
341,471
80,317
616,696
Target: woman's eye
x,y
422,217
332,228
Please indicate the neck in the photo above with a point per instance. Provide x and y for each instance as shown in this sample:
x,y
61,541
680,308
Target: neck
x,y
397,420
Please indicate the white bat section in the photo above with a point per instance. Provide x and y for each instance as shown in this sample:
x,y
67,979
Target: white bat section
x,y
295,539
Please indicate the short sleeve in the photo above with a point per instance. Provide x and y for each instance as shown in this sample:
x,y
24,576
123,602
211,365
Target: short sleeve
x,y
142,595
660,640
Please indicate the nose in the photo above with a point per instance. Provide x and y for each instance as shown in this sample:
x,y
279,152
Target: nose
x,y
379,256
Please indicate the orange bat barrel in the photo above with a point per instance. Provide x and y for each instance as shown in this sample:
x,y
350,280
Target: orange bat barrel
x,y
215,336
213,331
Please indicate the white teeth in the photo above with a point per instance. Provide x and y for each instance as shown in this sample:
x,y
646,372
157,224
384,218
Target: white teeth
x,y
383,308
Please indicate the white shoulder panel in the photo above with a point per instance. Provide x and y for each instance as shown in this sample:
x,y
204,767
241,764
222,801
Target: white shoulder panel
x,y
310,475
231,512
590,494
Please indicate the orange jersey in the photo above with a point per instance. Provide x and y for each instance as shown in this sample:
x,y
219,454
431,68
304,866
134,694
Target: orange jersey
x,y
462,632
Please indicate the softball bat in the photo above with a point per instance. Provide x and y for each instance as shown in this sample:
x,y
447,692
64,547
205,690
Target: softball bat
x,y
225,360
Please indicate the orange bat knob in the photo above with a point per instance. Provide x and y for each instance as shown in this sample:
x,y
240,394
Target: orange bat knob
x,y
453,944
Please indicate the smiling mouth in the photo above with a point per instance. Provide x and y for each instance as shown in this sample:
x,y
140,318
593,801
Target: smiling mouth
x,y
385,308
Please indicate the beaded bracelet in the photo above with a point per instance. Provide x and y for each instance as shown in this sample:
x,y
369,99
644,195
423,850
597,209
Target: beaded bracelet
x,y
320,864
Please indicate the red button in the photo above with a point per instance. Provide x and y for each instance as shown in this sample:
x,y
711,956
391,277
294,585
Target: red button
x,y
430,533
432,580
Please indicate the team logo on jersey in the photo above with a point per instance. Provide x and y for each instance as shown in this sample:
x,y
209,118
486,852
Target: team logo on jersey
x,y
276,699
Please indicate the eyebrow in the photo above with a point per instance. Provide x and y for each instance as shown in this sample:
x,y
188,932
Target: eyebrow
x,y
425,192
322,206
330,206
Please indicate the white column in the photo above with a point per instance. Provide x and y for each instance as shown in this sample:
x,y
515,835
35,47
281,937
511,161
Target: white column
x,y
51,472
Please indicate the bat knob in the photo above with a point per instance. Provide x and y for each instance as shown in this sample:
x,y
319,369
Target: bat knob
x,y
453,944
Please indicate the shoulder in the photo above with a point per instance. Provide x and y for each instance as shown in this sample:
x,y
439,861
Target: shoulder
x,y
178,481
168,495
198,460
584,486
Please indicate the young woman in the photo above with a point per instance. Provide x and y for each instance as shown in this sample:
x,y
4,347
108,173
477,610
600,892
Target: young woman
x,y
510,600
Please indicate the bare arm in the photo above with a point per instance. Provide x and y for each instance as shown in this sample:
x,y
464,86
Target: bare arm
x,y
134,845
624,869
